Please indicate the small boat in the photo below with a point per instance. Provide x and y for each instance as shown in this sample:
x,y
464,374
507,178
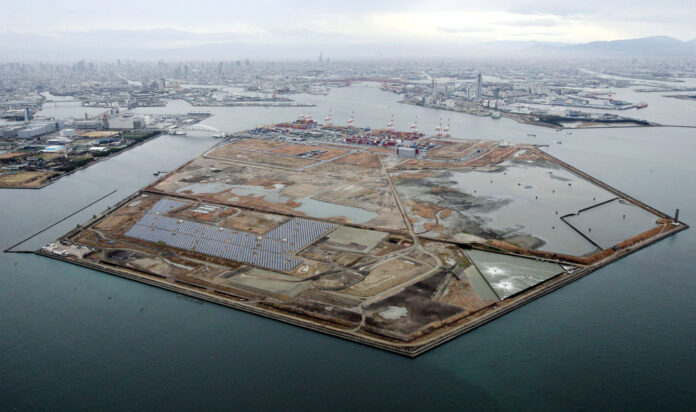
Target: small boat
x,y
531,135
178,132
641,105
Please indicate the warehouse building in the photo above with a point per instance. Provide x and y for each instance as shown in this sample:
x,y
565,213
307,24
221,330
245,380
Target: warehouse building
x,y
88,124
402,151
36,129
127,122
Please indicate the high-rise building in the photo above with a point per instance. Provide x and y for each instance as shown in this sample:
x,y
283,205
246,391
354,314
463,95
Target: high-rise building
x,y
478,87
321,57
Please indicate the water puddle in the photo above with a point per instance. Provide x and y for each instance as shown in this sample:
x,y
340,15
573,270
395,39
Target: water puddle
x,y
318,208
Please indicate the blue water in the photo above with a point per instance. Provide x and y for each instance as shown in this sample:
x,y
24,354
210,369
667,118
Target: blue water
x,y
623,337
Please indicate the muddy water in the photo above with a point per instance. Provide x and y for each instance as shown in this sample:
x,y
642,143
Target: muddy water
x,y
534,200
318,208
311,207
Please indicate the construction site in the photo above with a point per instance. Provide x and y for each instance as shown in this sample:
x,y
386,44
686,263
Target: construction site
x,y
396,240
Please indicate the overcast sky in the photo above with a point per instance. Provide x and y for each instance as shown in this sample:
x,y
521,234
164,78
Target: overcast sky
x,y
175,24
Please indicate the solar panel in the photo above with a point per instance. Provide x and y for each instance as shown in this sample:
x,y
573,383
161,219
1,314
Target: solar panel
x,y
267,252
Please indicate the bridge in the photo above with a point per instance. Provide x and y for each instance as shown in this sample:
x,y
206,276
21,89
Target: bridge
x,y
198,129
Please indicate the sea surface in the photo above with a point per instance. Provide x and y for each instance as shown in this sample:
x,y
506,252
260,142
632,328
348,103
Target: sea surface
x,y
622,338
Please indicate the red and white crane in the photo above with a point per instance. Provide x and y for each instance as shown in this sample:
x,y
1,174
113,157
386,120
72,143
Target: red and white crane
x,y
446,130
414,126
328,121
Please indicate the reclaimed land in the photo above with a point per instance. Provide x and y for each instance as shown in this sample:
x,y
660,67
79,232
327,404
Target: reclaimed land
x,y
365,278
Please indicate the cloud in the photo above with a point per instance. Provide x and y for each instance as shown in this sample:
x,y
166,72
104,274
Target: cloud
x,y
176,23
542,22
461,30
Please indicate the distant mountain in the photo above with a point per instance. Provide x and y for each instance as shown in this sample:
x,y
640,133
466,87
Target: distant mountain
x,y
181,45
657,45
660,46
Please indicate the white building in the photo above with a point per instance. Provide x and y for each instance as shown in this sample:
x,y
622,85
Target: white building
x,y
127,122
58,140
36,129
406,151
68,133
88,124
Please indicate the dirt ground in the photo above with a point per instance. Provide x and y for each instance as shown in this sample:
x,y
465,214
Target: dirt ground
x,y
452,150
494,156
24,179
292,150
97,134
409,313
387,275
254,222
229,152
362,159
460,293
257,144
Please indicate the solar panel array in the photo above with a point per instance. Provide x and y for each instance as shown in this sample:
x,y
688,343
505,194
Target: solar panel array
x,y
165,205
298,233
268,251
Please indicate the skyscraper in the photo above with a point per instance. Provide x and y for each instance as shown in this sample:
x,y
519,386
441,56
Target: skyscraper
x,y
478,87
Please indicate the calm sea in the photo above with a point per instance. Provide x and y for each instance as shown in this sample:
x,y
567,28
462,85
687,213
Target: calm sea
x,y
623,337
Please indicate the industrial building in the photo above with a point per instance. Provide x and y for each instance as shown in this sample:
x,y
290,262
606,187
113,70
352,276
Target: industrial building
x,y
58,140
88,124
36,129
403,151
9,131
127,122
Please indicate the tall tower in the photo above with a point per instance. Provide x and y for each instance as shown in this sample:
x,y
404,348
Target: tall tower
x,y
321,57
478,87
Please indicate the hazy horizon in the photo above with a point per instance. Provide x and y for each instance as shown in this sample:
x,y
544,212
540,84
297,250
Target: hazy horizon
x,y
340,29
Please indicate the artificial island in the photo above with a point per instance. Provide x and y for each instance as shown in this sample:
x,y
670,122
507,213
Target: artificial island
x,y
392,239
